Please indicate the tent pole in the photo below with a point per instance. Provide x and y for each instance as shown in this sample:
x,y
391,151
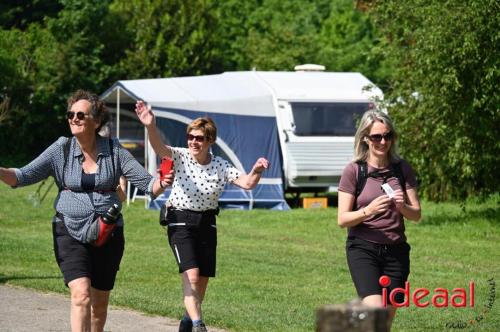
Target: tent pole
x,y
118,113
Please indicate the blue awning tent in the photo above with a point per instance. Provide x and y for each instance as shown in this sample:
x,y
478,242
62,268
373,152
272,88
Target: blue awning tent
x,y
242,108
258,114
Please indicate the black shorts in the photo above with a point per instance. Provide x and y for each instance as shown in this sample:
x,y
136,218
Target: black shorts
x,y
77,260
193,239
369,261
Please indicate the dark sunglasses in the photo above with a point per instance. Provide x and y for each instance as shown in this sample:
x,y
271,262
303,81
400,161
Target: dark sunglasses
x,y
197,138
79,115
378,137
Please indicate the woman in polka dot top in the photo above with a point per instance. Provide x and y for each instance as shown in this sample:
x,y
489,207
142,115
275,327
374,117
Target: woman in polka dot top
x,y
199,180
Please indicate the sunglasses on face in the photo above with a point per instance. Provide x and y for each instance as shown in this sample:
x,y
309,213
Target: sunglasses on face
x,y
79,115
197,138
378,137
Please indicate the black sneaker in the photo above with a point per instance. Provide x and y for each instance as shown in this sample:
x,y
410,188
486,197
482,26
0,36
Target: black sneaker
x,y
186,326
199,328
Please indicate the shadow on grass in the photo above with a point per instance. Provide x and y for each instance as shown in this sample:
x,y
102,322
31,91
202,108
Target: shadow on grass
x,y
492,215
4,279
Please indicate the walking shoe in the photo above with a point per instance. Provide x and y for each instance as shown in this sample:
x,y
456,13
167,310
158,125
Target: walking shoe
x,y
200,328
186,325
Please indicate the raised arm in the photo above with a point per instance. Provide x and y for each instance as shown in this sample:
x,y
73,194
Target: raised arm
x,y
8,175
250,180
147,118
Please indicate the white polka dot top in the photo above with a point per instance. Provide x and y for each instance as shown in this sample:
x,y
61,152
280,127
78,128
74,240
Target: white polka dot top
x,y
198,187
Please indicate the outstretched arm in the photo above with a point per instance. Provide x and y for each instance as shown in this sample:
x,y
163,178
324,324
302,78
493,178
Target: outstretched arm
x,y
8,175
147,118
250,180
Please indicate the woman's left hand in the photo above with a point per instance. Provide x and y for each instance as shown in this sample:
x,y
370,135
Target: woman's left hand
x,y
399,199
260,165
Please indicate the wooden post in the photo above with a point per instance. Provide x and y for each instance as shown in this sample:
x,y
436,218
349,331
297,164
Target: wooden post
x,y
351,317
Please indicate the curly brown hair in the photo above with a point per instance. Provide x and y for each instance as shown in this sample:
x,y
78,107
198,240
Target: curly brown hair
x,y
98,110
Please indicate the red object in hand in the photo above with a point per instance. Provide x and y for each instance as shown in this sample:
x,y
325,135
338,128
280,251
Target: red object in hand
x,y
165,167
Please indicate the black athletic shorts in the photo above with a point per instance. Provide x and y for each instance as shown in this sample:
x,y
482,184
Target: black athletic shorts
x,y
369,261
77,260
192,236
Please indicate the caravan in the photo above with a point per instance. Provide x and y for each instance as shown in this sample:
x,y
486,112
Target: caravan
x,y
303,122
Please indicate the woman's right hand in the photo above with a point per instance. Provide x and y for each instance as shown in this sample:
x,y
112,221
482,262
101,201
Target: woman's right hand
x,y
378,205
144,113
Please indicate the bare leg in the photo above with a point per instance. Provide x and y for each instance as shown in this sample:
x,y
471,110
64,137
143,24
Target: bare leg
x,y
194,288
80,304
100,300
376,301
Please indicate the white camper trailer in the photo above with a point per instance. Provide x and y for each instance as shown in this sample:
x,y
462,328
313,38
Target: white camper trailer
x,y
303,122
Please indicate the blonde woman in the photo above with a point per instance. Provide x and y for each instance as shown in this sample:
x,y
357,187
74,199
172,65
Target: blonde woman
x,y
374,214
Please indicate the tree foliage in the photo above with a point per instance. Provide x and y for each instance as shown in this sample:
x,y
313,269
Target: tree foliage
x,y
444,92
169,38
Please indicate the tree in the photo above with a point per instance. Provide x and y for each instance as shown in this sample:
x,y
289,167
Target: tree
x,y
169,38
350,42
444,95
43,64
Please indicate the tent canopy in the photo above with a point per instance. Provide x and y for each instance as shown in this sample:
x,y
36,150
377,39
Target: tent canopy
x,y
244,106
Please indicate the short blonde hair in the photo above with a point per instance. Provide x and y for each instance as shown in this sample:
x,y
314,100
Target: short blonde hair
x,y
206,125
365,125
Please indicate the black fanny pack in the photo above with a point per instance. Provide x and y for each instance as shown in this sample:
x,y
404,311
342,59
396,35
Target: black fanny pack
x,y
170,215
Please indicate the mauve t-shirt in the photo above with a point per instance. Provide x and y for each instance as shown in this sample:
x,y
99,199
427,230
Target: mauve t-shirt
x,y
384,228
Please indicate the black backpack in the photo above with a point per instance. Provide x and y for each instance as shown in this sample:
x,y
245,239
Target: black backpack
x,y
363,175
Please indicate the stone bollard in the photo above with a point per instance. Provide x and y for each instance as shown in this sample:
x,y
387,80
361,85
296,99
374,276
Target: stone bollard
x,y
351,317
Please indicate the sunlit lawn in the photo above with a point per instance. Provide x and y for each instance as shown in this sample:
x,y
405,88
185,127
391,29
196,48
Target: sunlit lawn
x,y
274,268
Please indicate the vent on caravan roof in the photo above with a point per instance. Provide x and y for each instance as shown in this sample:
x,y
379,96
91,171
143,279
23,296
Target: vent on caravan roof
x,y
309,67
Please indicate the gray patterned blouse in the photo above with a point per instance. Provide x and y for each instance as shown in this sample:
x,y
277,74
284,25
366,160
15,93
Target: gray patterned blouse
x,y
80,208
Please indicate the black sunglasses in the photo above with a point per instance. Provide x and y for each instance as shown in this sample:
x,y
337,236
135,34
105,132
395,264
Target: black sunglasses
x,y
197,138
79,115
378,137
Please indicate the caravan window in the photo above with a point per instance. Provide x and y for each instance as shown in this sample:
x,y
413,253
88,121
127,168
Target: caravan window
x,y
327,119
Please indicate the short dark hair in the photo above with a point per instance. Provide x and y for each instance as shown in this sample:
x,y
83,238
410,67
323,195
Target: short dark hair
x,y
98,110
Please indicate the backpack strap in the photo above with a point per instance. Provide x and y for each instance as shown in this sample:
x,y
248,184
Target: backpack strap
x,y
66,148
398,173
363,175
111,152
360,180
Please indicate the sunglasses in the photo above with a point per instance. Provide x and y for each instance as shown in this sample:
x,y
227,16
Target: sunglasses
x,y
378,137
79,115
197,138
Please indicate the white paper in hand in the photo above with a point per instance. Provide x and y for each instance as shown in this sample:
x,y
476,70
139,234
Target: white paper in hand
x,y
388,190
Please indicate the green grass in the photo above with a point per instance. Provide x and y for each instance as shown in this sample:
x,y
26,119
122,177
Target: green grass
x,y
274,268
